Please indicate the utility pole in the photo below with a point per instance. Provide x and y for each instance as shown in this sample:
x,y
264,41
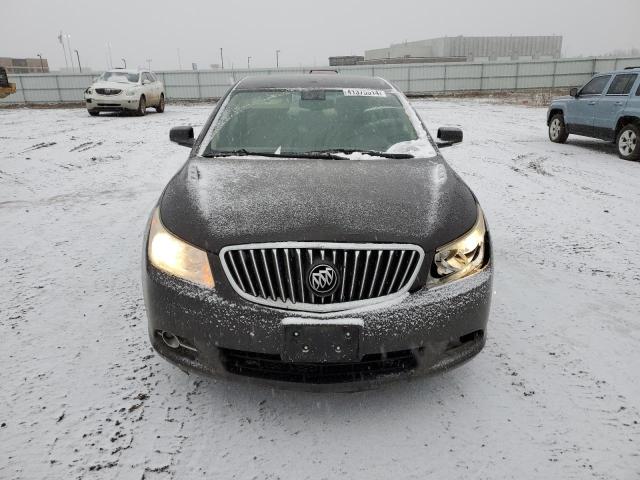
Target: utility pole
x,y
221,59
179,60
248,63
125,62
73,68
277,58
149,63
79,65
64,51
41,64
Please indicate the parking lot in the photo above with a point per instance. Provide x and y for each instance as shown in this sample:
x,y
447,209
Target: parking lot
x,y
553,395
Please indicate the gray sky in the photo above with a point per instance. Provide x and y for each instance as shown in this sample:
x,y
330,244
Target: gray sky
x,y
306,32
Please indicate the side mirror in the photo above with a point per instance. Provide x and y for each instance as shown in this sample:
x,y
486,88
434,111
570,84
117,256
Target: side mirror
x,y
448,136
573,92
182,136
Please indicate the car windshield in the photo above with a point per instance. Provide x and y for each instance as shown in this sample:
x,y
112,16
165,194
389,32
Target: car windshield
x,y
120,77
298,121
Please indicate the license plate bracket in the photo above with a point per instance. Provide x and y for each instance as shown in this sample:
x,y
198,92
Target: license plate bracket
x,y
321,341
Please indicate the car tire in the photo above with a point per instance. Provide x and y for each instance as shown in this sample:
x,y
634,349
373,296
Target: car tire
x,y
557,129
93,113
628,142
160,107
142,107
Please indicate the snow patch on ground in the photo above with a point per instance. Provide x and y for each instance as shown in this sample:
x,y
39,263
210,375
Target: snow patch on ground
x,y
83,396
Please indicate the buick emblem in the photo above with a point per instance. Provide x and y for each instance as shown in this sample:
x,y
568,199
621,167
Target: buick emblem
x,y
323,279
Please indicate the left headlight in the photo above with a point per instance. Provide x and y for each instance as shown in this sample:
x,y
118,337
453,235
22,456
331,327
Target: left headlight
x,y
88,91
462,257
172,255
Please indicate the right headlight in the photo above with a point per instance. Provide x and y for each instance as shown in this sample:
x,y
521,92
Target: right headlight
x,y
176,257
461,257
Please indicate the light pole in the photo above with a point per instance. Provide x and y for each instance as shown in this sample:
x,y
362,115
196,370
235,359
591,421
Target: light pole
x,y
248,63
125,62
221,60
179,60
41,64
79,65
73,68
277,58
109,53
64,51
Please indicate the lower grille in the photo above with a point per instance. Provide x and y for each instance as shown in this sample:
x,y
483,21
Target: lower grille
x,y
271,367
108,91
280,274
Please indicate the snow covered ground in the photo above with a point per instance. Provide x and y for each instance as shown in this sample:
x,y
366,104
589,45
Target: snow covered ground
x,y
555,394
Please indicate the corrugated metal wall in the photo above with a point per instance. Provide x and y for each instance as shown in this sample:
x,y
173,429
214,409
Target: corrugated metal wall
x,y
413,79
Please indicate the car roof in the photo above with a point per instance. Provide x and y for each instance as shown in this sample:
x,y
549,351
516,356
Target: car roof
x,y
313,80
624,70
126,70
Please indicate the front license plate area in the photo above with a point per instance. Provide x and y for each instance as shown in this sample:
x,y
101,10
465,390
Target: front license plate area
x,y
321,341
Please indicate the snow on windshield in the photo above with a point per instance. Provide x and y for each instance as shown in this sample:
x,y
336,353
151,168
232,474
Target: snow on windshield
x,y
303,120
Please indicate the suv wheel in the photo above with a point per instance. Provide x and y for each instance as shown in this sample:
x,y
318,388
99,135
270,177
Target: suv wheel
x,y
142,106
557,129
628,148
93,113
160,107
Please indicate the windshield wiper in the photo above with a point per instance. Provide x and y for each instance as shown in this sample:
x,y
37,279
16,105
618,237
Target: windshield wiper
x,y
373,153
243,152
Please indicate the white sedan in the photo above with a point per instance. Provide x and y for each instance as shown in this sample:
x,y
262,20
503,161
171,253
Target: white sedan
x,y
125,91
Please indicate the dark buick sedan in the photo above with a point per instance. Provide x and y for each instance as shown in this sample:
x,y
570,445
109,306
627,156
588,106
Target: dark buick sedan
x,y
316,235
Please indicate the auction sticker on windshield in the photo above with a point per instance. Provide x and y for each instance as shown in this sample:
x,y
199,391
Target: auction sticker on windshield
x,y
363,92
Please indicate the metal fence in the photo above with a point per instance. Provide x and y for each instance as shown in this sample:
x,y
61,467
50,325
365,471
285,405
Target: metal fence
x,y
413,79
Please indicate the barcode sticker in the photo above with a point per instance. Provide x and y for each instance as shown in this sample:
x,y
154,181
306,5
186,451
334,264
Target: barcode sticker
x,y
363,92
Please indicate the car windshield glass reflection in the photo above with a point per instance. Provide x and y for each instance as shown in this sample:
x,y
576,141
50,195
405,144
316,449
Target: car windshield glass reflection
x,y
298,121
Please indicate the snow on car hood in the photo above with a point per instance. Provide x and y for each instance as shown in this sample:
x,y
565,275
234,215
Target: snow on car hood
x,y
217,202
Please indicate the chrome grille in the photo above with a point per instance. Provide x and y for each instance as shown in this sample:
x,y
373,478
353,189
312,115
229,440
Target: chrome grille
x,y
108,91
275,274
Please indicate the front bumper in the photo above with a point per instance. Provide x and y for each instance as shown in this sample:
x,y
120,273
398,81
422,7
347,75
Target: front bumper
x,y
111,103
442,327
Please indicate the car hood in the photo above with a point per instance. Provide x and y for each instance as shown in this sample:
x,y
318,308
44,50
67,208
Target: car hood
x,y
114,85
212,203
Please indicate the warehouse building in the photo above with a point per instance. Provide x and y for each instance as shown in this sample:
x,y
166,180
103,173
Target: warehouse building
x,y
345,60
473,49
25,65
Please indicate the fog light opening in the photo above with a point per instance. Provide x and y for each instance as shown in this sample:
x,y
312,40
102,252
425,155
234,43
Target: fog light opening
x,y
470,337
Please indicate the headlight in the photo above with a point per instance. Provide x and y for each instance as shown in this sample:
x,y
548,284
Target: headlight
x,y
88,91
131,93
170,254
461,257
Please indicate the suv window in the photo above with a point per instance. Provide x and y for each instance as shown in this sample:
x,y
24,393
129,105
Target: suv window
x,y
152,77
622,84
595,86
